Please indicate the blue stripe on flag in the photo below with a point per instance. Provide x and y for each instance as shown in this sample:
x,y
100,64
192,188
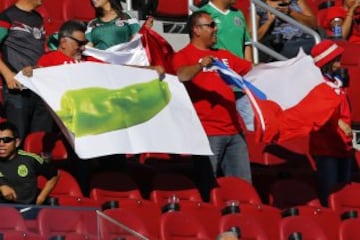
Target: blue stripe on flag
x,y
231,78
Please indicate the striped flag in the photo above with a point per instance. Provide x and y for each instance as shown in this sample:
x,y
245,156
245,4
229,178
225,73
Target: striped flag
x,y
289,98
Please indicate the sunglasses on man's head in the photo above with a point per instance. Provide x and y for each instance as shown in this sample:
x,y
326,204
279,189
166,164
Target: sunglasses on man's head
x,y
79,42
7,139
210,25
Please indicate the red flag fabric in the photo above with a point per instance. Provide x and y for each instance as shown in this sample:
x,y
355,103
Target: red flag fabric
x,y
297,101
158,50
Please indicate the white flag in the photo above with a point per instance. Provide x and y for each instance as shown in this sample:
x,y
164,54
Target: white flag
x,y
109,109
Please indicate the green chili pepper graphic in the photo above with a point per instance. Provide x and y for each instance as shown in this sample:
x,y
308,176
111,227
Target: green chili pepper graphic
x,y
91,111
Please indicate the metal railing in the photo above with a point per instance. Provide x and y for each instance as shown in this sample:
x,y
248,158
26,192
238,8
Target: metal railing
x,y
259,46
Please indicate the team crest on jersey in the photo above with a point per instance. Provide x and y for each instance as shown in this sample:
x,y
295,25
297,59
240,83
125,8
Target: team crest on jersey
x,y
37,33
237,21
22,170
119,22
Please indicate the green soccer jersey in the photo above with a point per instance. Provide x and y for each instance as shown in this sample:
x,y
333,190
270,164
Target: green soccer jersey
x,y
232,30
107,34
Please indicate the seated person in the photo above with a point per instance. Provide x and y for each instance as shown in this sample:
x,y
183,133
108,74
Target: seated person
x,y
281,36
19,171
349,18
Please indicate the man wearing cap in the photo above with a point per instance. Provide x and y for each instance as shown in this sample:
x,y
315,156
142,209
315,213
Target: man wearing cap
x,y
331,145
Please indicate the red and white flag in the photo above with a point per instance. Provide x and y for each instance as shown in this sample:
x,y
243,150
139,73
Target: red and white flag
x,y
294,101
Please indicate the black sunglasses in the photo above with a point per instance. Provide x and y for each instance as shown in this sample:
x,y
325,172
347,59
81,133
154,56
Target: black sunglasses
x,y
7,139
210,25
80,43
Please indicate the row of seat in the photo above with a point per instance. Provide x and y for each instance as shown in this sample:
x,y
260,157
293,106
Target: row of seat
x,y
200,221
108,186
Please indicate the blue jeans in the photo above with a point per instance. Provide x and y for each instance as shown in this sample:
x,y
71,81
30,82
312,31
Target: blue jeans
x,y
231,158
331,171
243,107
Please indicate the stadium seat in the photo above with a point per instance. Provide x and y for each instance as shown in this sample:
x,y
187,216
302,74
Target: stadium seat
x,y
233,188
126,225
45,142
247,224
166,9
243,6
168,185
180,225
13,226
54,14
269,218
350,59
349,229
67,191
207,214
148,211
61,221
305,225
346,198
286,193
72,7
325,217
5,4
107,186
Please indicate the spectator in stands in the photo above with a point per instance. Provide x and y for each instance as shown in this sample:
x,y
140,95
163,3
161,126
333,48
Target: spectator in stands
x,y
22,37
331,145
19,171
231,25
112,25
349,18
214,101
281,36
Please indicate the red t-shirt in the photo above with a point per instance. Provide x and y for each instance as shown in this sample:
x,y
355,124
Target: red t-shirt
x,y
213,99
55,58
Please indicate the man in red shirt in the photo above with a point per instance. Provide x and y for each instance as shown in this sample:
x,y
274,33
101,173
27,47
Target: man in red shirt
x,y
214,100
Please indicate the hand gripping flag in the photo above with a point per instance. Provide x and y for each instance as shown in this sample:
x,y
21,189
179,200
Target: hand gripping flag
x,y
289,98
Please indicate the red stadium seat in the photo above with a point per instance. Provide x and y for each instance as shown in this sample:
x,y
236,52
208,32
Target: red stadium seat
x,y
349,229
305,225
243,6
167,9
60,221
86,14
67,191
126,224
346,198
13,226
233,188
269,218
249,227
325,217
54,14
207,214
43,142
167,185
180,225
107,186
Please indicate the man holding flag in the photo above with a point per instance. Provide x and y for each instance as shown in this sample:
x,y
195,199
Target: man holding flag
x,y
214,101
